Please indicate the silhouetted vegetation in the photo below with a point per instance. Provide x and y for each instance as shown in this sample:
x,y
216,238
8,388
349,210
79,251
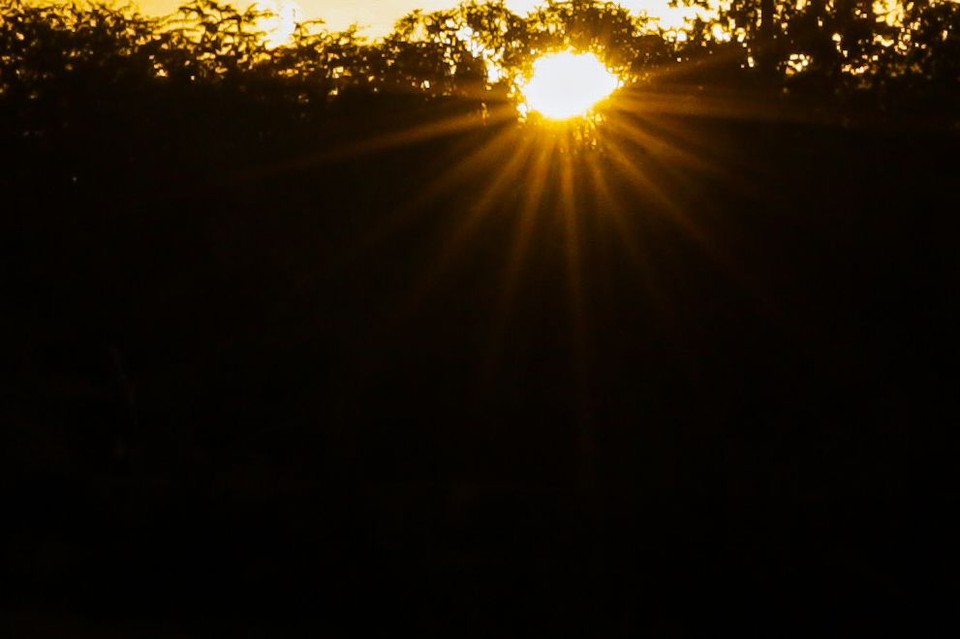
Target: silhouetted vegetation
x,y
327,336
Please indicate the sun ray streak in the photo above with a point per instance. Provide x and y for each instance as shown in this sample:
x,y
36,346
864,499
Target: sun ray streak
x,y
457,174
582,363
626,235
649,187
701,102
388,141
461,233
678,215
569,207
523,235
661,148
646,187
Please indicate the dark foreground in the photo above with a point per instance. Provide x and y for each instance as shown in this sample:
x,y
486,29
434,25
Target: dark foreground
x,y
264,391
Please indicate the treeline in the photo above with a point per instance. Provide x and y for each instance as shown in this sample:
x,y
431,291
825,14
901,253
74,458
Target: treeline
x,y
201,88
895,53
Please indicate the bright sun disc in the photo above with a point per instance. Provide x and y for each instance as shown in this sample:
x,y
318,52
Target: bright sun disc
x,y
568,85
279,27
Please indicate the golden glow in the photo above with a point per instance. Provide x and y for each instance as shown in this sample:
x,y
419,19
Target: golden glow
x,y
889,11
568,85
280,26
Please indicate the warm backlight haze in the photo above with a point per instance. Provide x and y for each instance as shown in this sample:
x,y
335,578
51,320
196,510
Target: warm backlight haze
x,y
280,27
567,85
376,17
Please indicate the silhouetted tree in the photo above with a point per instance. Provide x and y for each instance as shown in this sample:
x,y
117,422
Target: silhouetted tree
x,y
627,43
215,41
822,42
428,53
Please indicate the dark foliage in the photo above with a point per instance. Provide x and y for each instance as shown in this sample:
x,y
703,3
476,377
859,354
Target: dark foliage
x,y
252,381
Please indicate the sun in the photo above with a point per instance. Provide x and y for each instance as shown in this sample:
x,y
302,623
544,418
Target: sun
x,y
279,27
568,85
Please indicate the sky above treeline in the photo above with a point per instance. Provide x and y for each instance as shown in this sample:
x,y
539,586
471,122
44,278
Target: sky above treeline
x,y
377,16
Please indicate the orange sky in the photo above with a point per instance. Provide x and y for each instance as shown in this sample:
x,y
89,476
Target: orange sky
x,y
377,15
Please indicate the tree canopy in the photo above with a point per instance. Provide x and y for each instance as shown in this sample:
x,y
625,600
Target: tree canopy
x,y
478,50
